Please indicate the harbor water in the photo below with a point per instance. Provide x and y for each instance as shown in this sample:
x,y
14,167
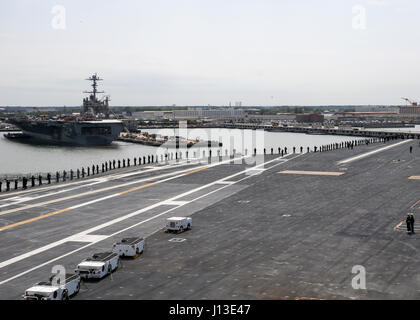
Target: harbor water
x,y
18,158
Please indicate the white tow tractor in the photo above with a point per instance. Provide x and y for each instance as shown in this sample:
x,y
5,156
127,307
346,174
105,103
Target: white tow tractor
x,y
129,247
49,291
178,224
98,266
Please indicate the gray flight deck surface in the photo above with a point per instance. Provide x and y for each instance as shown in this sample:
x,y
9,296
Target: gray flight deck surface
x,y
256,235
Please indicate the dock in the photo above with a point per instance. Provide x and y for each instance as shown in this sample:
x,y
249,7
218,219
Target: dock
x,y
370,132
148,140
355,132
264,227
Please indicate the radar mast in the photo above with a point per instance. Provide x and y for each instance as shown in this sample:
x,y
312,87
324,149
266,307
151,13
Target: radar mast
x,y
92,105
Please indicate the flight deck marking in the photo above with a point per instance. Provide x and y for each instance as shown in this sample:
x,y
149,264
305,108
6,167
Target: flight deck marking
x,y
197,170
401,227
24,199
316,173
114,221
45,188
101,179
367,154
39,204
18,199
78,206
177,240
174,203
34,219
415,204
95,181
397,227
256,171
138,188
88,238
183,173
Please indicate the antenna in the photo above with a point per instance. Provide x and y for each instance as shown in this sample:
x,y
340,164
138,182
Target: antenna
x,y
94,78
92,103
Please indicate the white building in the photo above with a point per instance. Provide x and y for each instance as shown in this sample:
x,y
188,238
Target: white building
x,y
153,115
216,113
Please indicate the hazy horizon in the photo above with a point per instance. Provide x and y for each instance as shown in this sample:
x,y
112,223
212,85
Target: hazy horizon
x,y
207,106
196,53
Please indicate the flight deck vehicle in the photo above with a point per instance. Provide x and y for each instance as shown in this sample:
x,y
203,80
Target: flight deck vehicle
x,y
178,224
129,247
98,266
48,291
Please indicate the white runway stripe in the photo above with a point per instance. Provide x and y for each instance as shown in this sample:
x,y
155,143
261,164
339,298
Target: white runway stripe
x,y
367,154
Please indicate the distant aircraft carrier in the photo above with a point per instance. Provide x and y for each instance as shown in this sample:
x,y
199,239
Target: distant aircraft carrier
x,y
92,128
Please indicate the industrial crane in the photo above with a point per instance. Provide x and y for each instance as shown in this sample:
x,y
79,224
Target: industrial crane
x,y
409,101
39,111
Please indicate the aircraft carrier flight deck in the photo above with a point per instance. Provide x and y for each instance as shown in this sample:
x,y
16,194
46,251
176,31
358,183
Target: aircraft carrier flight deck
x,y
290,227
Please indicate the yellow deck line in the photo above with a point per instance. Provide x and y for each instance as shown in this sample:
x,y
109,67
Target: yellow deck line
x,y
318,173
197,170
398,225
34,219
138,188
415,204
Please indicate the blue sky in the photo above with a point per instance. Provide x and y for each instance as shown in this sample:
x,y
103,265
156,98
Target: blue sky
x,y
199,52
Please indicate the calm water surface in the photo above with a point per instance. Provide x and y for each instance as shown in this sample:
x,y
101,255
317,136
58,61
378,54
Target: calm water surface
x,y
21,158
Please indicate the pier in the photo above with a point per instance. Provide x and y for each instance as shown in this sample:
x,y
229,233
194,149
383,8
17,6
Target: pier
x,y
378,133
354,132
